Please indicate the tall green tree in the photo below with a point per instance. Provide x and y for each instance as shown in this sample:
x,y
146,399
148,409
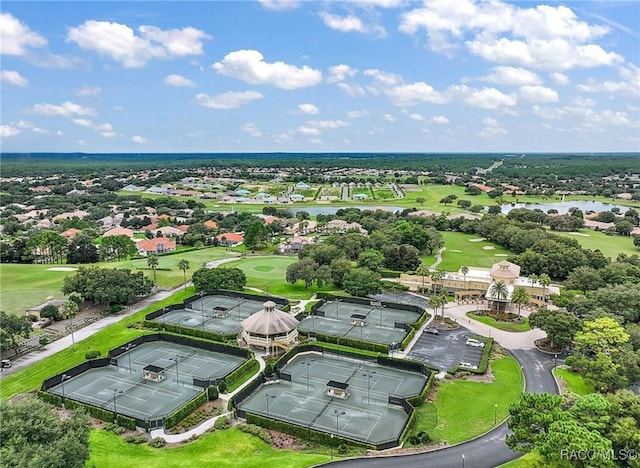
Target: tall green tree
x,y
423,270
107,285
436,277
205,279
48,247
82,250
304,270
545,282
499,292
464,270
256,235
520,296
560,326
361,282
117,247
184,266
568,438
152,262
68,311
12,330
531,418
33,435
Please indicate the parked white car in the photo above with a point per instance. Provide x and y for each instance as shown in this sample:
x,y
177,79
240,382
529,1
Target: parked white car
x,y
475,343
468,365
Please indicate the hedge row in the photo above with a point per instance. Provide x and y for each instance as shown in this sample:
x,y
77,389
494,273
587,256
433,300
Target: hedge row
x,y
353,343
303,432
195,332
420,399
393,286
408,338
241,374
50,398
407,427
389,273
185,410
423,318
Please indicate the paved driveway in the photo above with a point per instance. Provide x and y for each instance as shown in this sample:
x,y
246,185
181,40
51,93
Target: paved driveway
x,y
445,350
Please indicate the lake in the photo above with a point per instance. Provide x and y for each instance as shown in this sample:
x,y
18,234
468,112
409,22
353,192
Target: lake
x,y
563,207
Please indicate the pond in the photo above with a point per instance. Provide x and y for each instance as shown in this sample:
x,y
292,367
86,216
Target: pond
x,y
563,207
326,210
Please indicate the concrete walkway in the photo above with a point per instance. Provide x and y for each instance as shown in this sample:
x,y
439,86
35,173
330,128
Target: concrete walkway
x,y
438,258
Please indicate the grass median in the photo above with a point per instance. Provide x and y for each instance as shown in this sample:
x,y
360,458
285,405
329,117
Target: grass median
x,y
506,326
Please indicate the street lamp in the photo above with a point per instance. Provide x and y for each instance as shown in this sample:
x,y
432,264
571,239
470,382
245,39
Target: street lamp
x,y
495,414
62,379
129,347
308,362
115,408
338,413
164,311
555,360
269,397
338,309
463,460
380,308
369,375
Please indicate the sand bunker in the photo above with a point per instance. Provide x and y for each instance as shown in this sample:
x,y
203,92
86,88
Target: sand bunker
x,y
579,234
62,269
452,250
488,247
500,255
477,240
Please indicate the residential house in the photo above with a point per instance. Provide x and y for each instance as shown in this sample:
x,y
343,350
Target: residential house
x,y
296,197
70,233
211,225
230,239
293,245
158,245
119,231
340,226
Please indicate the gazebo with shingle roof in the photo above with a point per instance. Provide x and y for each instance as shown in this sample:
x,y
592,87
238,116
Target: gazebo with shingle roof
x,y
270,328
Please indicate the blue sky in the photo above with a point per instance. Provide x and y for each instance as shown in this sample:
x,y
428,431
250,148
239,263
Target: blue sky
x,y
276,75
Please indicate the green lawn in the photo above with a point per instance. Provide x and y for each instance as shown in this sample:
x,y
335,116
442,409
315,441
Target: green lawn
x,y
574,383
23,286
610,246
512,327
461,251
31,378
534,460
268,274
230,448
464,409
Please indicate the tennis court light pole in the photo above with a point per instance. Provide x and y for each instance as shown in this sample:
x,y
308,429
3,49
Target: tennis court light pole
x,y
308,362
115,408
338,413
177,361
129,347
269,397
202,307
369,375
62,379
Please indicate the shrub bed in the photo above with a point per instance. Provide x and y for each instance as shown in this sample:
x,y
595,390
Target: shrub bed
x,y
241,375
182,412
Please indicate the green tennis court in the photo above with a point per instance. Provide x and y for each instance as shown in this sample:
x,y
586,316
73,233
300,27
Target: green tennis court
x,y
367,322
365,415
123,389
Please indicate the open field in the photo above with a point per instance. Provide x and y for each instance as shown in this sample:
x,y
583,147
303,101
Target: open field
x,y
225,449
461,251
268,274
23,286
456,421
573,382
32,377
610,246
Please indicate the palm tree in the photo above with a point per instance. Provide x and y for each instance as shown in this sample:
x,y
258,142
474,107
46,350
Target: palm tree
x,y
520,296
533,278
465,270
423,270
69,310
435,302
443,302
499,292
184,266
152,262
544,281
437,276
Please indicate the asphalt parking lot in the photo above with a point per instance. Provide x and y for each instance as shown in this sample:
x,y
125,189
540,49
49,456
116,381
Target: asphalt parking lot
x,y
445,350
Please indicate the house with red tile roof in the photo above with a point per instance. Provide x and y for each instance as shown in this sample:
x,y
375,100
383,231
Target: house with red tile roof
x,y
159,246
230,239
70,233
183,227
211,225
119,232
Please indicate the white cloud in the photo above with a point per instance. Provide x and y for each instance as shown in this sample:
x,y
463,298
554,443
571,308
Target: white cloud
x,y
308,130
307,108
439,120
383,3
538,94
120,42
16,38
280,5
356,114
352,90
340,73
490,98
250,67
59,133
41,131
22,124
228,100
13,78
350,23
490,122
118,108
252,129
81,142
138,140
512,76
415,93
105,129
315,141
416,116
383,78
630,85
88,91
178,80
489,132
66,109
560,78
389,118
7,131
327,124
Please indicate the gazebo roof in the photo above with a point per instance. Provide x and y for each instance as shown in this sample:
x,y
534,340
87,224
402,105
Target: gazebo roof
x,y
269,321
